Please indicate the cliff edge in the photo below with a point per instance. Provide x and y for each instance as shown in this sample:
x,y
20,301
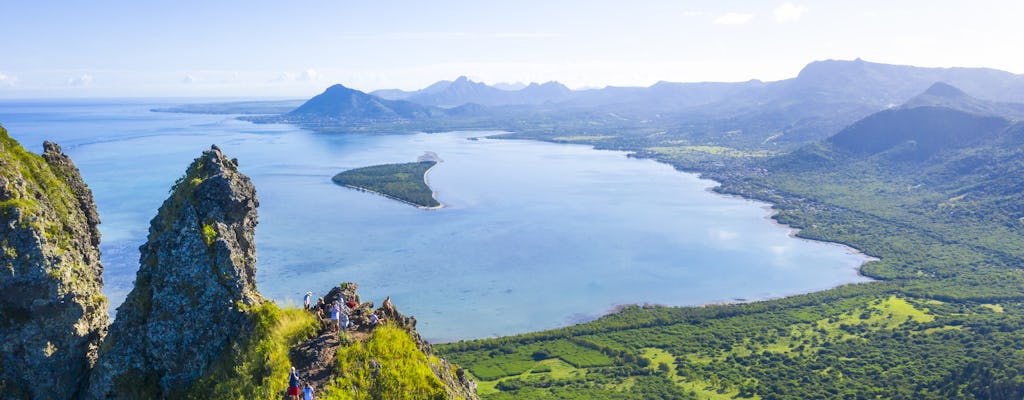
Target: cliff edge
x,y
53,315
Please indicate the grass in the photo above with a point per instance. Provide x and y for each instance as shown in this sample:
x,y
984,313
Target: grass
x,y
44,202
258,368
994,307
404,371
209,234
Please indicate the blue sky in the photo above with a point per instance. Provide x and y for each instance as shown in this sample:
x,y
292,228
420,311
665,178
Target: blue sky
x,y
296,49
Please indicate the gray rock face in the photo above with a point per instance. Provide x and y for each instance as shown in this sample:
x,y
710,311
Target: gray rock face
x,y
195,281
52,313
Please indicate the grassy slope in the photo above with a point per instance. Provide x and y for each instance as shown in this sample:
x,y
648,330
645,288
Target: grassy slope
x,y
404,372
258,368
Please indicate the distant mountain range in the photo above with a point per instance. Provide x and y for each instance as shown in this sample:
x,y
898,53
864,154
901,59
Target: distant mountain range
x,y
824,98
463,91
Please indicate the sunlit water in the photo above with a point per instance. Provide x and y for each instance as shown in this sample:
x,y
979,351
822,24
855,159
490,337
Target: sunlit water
x,y
533,236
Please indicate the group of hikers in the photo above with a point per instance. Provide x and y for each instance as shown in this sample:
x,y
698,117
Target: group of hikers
x,y
337,317
293,387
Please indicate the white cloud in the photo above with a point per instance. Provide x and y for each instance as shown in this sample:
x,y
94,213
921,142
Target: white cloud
x,y
309,75
734,18
81,80
694,13
7,80
789,12
188,79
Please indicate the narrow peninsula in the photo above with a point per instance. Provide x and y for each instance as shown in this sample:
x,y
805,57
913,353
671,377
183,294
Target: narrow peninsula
x,y
403,182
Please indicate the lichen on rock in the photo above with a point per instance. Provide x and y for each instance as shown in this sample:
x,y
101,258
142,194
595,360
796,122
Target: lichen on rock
x,y
195,282
53,314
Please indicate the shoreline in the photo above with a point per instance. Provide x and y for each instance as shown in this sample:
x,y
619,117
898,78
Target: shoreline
x,y
422,207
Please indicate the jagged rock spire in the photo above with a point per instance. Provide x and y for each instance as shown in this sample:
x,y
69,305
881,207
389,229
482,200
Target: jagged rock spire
x,y
196,279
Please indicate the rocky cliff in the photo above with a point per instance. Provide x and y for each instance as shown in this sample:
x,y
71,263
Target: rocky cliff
x,y
194,325
195,282
52,313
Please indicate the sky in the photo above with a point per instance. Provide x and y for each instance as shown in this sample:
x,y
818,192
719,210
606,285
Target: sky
x,y
268,49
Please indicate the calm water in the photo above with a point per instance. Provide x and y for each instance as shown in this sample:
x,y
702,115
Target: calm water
x,y
534,235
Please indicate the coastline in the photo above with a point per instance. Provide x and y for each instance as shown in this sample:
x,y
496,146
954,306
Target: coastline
x,y
362,189
793,233
433,193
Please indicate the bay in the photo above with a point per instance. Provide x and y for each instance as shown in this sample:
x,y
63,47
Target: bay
x,y
533,235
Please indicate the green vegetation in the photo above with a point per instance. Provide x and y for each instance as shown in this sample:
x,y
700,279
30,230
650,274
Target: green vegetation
x,y
403,371
941,212
683,151
403,182
55,217
258,367
581,138
209,234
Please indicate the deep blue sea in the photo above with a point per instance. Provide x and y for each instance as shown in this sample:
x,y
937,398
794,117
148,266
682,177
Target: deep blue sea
x,y
533,236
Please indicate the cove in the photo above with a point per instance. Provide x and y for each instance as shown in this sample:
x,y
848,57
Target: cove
x,y
533,235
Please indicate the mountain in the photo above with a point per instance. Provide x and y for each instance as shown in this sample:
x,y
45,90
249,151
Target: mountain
x,y
946,96
942,118
398,94
341,104
52,312
459,92
462,90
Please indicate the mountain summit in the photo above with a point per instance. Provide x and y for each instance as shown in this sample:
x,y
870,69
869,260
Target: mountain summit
x,y
340,103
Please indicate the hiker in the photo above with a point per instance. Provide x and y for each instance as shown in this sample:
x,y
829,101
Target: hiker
x,y
374,319
344,322
306,299
293,385
335,315
307,393
320,306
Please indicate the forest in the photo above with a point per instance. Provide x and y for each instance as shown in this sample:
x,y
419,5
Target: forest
x,y
403,182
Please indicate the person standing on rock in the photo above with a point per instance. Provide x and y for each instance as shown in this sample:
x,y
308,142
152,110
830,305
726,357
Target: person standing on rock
x,y
335,316
306,299
293,385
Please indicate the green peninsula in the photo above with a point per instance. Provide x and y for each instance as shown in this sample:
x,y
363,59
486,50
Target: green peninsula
x,y
403,182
